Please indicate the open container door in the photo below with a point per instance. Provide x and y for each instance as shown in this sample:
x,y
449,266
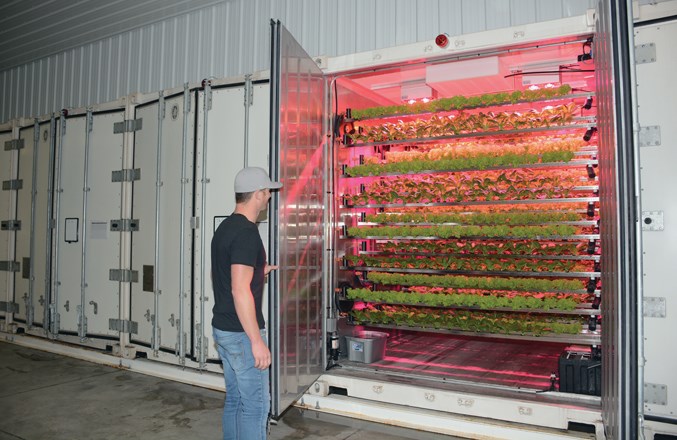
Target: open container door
x,y
297,220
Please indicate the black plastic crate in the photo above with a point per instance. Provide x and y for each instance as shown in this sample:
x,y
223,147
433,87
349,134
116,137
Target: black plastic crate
x,y
580,373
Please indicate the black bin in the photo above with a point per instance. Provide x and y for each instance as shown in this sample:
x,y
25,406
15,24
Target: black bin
x,y
580,373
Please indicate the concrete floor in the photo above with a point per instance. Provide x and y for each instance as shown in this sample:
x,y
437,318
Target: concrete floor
x,y
52,397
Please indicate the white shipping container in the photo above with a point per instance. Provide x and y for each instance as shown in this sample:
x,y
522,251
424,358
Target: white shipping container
x,y
120,201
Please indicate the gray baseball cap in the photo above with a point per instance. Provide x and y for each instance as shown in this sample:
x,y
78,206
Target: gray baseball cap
x,y
252,179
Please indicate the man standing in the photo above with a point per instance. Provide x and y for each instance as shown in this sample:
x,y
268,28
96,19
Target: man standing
x,y
239,267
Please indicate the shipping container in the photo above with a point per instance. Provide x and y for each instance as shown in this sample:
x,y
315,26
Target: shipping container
x,y
473,234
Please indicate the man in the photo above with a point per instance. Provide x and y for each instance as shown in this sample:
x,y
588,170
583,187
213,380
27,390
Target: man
x,y
239,267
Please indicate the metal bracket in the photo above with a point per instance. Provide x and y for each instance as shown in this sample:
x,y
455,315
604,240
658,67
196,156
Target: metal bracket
x,y
645,53
650,136
123,275
8,185
126,175
123,326
11,225
194,222
10,266
654,307
652,221
124,225
655,394
9,307
248,91
208,94
14,144
128,125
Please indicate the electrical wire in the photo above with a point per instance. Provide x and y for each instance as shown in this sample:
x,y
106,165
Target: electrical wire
x,y
543,72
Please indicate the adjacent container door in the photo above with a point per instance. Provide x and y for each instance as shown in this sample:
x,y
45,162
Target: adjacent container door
x,y
657,140
163,202
33,239
297,220
230,136
8,195
89,226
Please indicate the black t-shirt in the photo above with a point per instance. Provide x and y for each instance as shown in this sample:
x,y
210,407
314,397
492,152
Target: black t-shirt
x,y
236,241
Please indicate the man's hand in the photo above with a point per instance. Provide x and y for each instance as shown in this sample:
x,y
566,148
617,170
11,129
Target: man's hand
x,y
261,355
269,269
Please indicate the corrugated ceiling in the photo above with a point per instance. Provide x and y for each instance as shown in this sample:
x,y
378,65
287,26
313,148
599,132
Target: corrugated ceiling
x,y
58,54
33,29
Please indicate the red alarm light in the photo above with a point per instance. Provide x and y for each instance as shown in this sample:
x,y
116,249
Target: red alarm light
x,y
442,40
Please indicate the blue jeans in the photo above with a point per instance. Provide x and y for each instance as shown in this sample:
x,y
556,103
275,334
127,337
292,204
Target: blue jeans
x,y
245,413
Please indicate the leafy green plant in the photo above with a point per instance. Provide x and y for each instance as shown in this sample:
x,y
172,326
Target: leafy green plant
x,y
484,283
483,247
481,218
452,231
469,264
472,298
460,123
469,321
520,184
460,102
471,163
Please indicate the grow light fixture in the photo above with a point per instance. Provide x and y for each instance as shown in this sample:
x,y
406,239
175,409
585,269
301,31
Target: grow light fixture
x,y
415,92
467,69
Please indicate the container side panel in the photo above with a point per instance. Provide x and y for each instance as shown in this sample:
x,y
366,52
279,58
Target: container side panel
x,y
143,208
162,224
221,158
42,233
23,235
102,252
656,98
6,213
69,217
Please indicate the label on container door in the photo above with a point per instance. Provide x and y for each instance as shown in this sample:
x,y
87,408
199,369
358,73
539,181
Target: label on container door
x,y
358,346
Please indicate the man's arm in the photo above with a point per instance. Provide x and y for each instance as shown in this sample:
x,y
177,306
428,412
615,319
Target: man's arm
x,y
241,276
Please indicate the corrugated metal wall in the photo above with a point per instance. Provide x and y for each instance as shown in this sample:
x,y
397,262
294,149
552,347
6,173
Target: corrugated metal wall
x,y
232,38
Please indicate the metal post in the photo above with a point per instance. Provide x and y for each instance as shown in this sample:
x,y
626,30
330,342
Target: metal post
x,y
54,315
158,187
205,181
248,95
49,275
31,277
182,216
82,327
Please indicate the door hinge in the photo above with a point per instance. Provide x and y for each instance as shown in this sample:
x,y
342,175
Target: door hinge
x,y
645,53
128,125
194,222
11,225
123,275
82,321
9,307
14,144
126,175
124,225
650,136
123,326
8,185
248,91
10,266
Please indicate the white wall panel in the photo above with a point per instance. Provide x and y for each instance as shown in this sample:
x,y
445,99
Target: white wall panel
x,y
221,39
158,300
8,171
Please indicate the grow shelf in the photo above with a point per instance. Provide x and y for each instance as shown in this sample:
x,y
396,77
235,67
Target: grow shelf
x,y
586,337
585,124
